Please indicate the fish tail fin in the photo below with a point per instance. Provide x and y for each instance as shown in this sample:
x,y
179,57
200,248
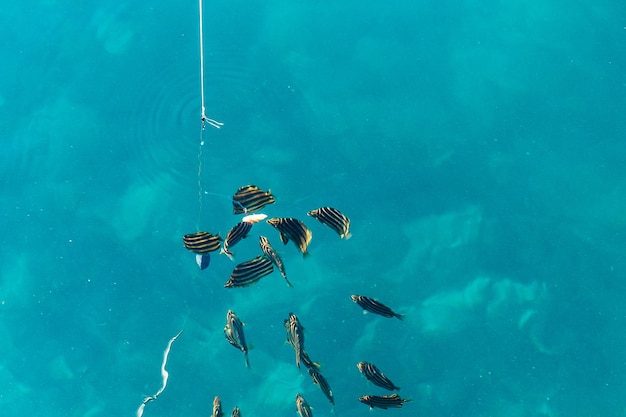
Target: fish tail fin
x,y
347,236
400,316
228,253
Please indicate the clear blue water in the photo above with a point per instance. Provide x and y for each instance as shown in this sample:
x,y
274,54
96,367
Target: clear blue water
x,y
477,146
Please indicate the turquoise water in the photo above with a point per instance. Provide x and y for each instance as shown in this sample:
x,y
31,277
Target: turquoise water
x,y
477,146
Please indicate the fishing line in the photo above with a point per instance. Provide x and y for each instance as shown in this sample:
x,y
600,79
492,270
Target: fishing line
x,y
204,120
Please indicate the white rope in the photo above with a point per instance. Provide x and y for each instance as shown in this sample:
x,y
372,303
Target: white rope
x,y
204,119
164,375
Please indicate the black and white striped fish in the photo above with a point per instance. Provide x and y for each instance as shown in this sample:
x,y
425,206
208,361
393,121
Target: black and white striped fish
x,y
383,401
249,272
271,253
295,336
251,198
334,219
376,307
238,232
234,333
306,360
375,376
292,229
202,243
304,409
217,407
319,380
236,412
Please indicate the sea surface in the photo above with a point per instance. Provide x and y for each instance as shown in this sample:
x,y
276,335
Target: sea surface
x,y
478,147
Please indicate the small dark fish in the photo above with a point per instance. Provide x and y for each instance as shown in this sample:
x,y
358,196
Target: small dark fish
x,y
234,333
269,251
334,219
202,242
249,272
373,374
236,412
294,229
376,307
295,336
251,198
238,232
304,409
203,261
217,407
383,401
319,379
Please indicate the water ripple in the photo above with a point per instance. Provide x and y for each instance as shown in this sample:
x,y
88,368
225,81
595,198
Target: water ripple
x,y
164,117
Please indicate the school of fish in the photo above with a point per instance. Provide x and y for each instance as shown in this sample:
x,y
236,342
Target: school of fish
x,y
249,200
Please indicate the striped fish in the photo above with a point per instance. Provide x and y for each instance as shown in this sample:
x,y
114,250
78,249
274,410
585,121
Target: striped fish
x,y
373,374
334,219
304,409
319,380
306,360
295,336
294,229
236,412
238,232
376,307
202,243
234,333
217,407
269,251
251,198
383,401
249,272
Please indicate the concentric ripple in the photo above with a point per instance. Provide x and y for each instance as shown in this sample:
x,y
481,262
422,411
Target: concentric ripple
x,y
165,117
